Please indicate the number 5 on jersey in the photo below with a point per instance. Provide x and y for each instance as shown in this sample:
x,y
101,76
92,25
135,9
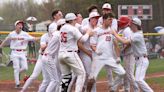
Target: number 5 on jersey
x,y
63,37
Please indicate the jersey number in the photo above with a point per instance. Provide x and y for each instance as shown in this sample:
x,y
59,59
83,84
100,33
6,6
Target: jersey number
x,y
63,37
108,38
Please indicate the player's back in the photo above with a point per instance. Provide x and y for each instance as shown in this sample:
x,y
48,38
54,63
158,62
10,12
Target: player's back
x,y
69,37
53,44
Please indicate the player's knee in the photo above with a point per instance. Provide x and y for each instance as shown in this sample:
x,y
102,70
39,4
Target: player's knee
x,y
45,81
122,73
33,77
16,70
82,72
139,80
55,82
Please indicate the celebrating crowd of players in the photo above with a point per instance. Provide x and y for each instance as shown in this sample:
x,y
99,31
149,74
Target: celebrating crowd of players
x,y
74,50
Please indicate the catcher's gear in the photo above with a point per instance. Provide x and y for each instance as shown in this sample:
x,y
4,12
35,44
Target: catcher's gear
x,y
124,21
65,82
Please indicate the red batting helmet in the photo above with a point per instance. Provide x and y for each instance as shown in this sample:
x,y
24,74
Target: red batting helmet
x,y
124,21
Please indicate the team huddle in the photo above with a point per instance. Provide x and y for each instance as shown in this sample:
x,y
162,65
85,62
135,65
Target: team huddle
x,y
73,52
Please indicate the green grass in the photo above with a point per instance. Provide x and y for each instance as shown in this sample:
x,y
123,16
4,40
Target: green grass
x,y
156,65
6,73
159,81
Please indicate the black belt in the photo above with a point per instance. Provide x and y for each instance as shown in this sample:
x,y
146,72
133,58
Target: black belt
x,y
72,51
137,58
19,49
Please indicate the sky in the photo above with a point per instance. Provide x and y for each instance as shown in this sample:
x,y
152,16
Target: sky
x,y
37,1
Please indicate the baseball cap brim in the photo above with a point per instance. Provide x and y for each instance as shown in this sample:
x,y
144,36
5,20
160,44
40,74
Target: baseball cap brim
x,y
19,21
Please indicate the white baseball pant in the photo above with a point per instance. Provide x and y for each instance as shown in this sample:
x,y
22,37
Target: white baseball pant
x,y
109,75
70,61
129,66
141,66
97,65
87,62
36,72
19,64
51,71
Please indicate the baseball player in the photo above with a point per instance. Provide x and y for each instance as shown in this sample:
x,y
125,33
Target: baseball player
x,y
51,64
128,57
92,8
79,18
46,76
140,53
78,25
69,59
38,66
86,51
100,43
18,43
56,15
107,8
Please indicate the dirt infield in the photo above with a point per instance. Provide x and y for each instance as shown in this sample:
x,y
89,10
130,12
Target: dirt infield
x,y
8,86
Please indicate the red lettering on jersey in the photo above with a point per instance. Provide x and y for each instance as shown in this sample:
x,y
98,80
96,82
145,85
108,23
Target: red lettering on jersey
x,y
63,37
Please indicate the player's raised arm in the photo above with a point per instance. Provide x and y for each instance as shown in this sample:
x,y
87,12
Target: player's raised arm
x,y
125,41
3,42
81,47
85,37
116,47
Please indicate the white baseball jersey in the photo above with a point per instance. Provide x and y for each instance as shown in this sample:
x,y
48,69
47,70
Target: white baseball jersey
x,y
44,40
138,44
103,41
127,33
19,41
69,37
53,45
85,22
114,23
83,31
52,27
78,26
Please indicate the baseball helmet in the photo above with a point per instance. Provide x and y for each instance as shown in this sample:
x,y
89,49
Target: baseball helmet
x,y
136,21
124,21
70,16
